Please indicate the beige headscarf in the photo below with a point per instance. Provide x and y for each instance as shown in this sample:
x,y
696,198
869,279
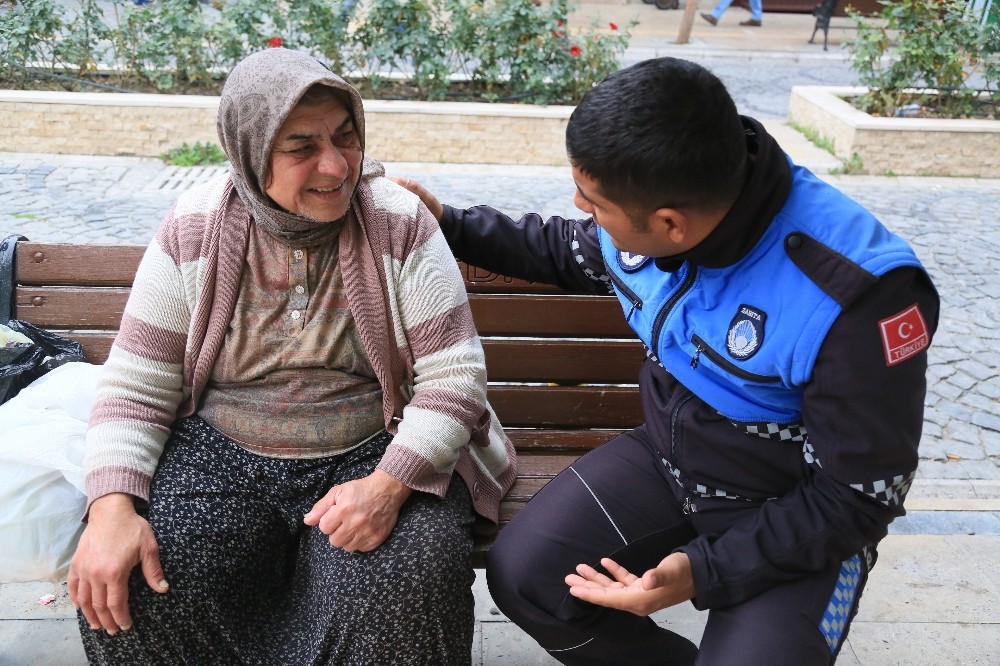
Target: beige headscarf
x,y
258,95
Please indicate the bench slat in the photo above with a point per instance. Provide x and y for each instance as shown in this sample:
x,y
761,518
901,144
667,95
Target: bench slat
x,y
524,315
71,307
533,440
96,344
563,361
93,264
481,281
560,406
65,263
549,316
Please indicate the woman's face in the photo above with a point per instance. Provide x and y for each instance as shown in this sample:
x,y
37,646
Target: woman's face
x,y
315,162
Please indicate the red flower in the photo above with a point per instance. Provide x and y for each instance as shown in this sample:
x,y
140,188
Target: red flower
x,y
559,22
274,42
597,38
613,27
574,51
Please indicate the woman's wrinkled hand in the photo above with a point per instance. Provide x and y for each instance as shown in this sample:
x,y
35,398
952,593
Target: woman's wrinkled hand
x,y
359,515
115,540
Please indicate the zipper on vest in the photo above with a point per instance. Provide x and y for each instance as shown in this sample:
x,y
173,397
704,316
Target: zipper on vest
x,y
661,316
717,358
687,506
629,294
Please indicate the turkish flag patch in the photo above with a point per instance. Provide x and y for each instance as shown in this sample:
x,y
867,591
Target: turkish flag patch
x,y
903,335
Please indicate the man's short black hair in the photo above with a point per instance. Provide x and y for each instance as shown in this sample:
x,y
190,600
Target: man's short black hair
x,y
661,133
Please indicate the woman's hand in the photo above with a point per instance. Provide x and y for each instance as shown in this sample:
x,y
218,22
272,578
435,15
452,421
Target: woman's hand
x,y
115,540
431,201
668,584
360,514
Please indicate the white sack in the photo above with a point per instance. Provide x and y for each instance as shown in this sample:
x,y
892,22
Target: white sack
x,y
42,441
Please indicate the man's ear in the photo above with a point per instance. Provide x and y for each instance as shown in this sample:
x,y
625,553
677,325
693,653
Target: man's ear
x,y
684,228
671,224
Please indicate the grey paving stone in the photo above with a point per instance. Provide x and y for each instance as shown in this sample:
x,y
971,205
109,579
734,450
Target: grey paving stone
x,y
953,446
987,420
921,644
38,642
934,580
948,523
504,643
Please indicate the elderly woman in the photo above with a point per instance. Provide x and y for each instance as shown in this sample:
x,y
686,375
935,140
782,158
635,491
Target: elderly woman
x,y
291,441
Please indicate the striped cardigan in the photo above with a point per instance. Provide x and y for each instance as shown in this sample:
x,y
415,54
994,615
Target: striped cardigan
x,y
412,315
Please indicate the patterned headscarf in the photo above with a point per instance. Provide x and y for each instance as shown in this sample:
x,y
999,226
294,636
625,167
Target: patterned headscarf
x,y
258,95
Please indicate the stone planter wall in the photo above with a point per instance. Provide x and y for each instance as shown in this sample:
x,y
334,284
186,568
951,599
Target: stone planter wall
x,y
475,133
149,125
903,146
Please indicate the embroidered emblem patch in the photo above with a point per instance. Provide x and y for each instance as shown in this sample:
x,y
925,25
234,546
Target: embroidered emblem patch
x,y
746,332
903,335
630,263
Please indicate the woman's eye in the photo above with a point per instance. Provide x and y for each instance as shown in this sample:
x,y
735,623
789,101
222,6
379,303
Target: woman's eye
x,y
344,138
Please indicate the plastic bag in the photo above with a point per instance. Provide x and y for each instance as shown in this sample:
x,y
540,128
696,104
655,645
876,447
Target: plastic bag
x,y
22,363
42,498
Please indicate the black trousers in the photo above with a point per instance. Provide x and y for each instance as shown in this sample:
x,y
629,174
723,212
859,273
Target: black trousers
x,y
618,502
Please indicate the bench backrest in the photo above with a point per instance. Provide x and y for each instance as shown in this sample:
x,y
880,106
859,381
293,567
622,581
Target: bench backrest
x,y
562,368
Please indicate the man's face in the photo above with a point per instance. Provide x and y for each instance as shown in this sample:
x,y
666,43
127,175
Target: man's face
x,y
627,234
315,161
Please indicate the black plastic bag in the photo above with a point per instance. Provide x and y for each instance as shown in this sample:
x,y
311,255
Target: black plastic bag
x,y
21,364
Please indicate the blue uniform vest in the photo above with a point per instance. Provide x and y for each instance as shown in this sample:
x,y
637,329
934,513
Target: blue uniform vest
x,y
744,337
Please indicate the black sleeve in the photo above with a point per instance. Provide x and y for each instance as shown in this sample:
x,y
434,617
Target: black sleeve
x,y
554,251
863,410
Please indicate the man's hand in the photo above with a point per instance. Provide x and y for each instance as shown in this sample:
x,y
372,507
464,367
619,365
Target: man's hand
x,y
431,201
360,514
668,584
115,540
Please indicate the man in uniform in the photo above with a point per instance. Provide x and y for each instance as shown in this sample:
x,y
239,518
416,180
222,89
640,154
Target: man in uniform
x,y
786,331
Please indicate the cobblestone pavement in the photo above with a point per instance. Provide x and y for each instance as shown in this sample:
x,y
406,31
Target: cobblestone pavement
x,y
954,225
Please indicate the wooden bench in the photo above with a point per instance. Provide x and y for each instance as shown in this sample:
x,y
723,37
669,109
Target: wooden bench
x,y
562,368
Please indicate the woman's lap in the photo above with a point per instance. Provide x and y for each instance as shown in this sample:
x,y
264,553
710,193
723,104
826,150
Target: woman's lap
x,y
250,583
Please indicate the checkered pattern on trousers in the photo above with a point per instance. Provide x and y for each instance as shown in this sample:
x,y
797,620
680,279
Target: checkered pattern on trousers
x,y
838,611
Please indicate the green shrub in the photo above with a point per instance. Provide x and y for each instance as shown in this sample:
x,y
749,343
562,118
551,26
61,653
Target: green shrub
x,y
29,32
197,155
401,36
490,49
926,44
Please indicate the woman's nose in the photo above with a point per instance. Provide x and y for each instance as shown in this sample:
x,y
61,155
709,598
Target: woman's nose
x,y
332,162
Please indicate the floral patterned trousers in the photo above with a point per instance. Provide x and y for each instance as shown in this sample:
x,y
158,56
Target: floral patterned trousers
x,y
250,583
